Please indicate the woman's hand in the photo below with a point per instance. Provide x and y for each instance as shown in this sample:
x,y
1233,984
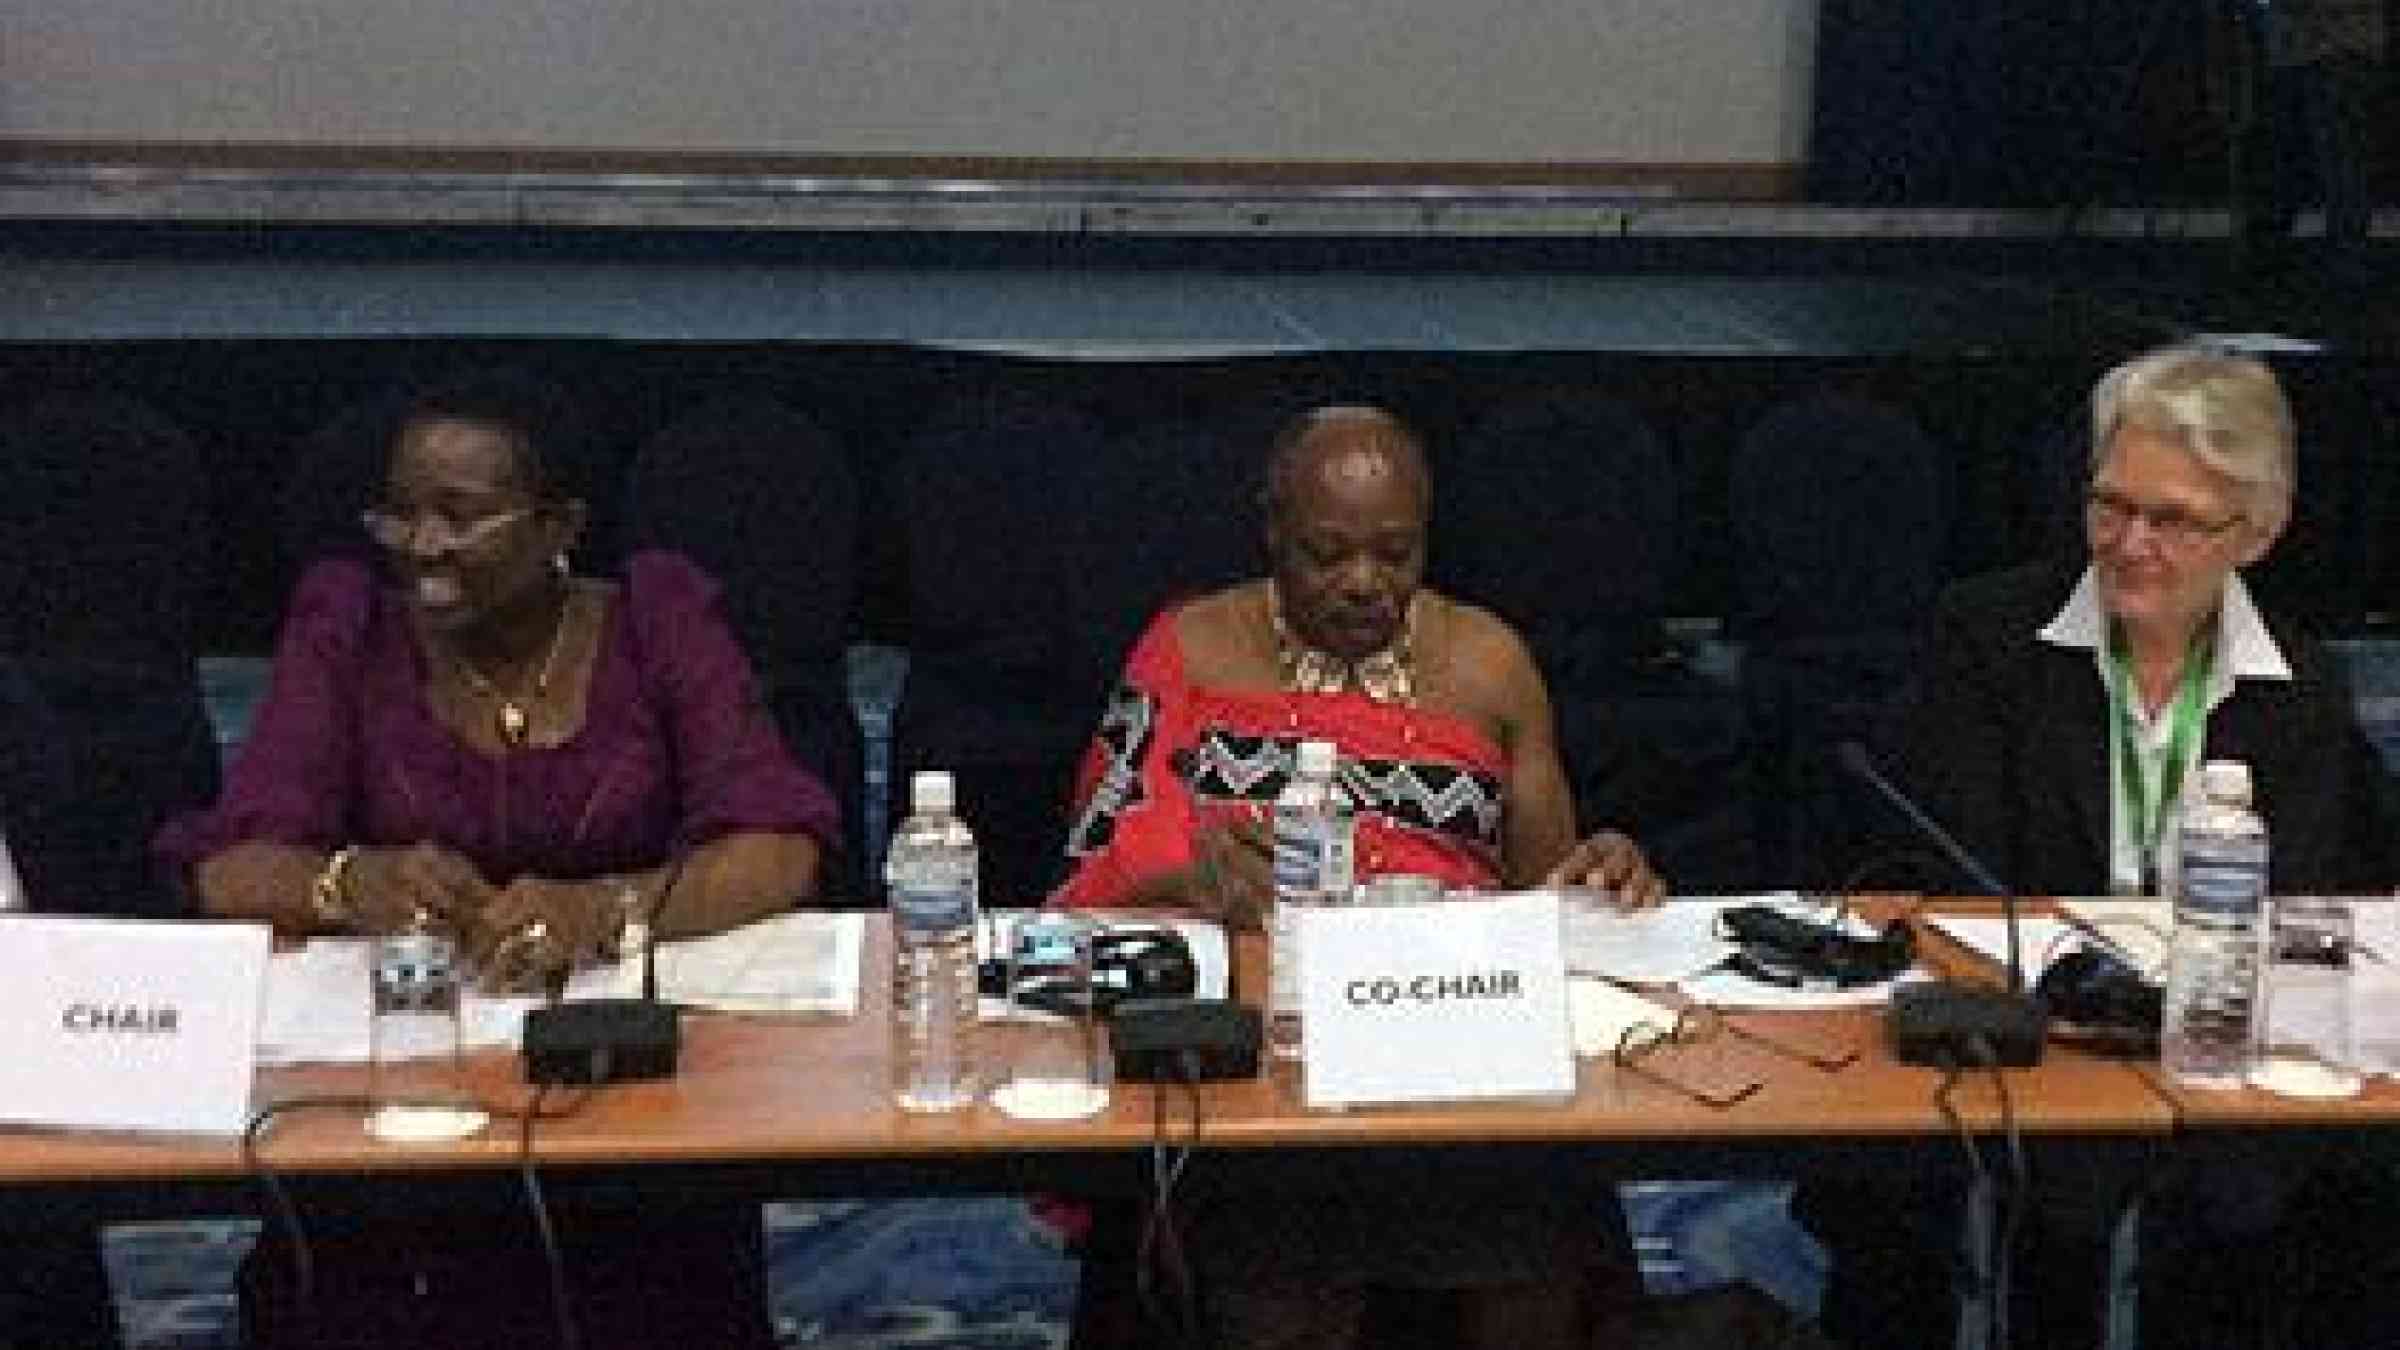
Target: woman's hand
x,y
537,930
1610,861
1230,881
393,890
1233,874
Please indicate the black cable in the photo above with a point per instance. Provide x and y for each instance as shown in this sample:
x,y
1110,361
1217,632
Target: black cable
x,y
553,1262
2019,1197
304,1261
1178,1263
286,1214
1951,1075
1148,1241
1160,1251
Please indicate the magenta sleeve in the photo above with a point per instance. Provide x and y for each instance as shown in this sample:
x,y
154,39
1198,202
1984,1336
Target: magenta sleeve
x,y
735,772
296,775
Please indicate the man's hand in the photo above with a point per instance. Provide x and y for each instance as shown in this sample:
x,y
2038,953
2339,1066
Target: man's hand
x,y
1609,861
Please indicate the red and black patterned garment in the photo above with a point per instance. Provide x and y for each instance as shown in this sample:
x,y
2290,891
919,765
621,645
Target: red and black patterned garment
x,y
1172,758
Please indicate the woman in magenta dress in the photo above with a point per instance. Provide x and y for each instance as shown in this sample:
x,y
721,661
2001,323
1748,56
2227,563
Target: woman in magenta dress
x,y
470,738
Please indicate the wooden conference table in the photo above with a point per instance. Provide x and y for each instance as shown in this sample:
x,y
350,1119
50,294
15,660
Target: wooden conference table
x,y
794,1107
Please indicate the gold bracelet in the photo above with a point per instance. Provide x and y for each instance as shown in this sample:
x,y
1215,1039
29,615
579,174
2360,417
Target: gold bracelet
x,y
328,899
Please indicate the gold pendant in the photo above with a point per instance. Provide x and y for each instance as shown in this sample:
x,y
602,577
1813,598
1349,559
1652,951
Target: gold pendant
x,y
513,725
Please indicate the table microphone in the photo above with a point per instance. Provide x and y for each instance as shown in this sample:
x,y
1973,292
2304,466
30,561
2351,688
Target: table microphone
x,y
611,1040
1948,1023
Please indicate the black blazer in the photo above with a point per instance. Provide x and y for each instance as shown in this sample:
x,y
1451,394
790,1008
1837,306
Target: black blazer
x,y
2004,738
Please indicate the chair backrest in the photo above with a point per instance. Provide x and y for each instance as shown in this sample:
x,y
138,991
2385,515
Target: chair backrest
x,y
1003,688
103,732
766,502
334,474
1172,513
982,496
1559,510
95,754
1839,509
1840,518
103,514
2323,571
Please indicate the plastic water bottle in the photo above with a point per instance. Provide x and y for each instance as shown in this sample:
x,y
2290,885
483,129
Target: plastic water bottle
x,y
2220,900
1314,865
931,871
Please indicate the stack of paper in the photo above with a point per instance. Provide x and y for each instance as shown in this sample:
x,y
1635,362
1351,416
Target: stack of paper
x,y
791,963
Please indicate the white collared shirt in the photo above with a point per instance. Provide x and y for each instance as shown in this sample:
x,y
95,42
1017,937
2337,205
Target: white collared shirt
x,y
2244,650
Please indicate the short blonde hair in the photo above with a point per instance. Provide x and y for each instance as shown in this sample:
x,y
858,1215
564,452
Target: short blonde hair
x,y
2226,409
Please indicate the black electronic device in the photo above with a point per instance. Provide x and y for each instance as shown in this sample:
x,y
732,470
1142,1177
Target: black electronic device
x,y
1171,1040
2101,997
611,1040
607,1040
1782,949
1127,963
1949,1024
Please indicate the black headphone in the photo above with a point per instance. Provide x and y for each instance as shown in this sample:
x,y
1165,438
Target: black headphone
x,y
2096,991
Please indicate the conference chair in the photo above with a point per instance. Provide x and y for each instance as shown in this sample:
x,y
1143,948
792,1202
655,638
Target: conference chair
x,y
103,732
1002,690
1561,510
104,507
333,474
1838,506
2323,571
1176,515
768,504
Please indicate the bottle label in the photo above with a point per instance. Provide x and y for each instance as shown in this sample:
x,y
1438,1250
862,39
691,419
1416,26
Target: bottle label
x,y
933,908
1341,868
2221,890
1300,860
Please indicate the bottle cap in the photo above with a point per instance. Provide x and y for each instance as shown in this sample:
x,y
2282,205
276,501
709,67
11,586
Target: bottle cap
x,y
2226,780
1316,759
930,792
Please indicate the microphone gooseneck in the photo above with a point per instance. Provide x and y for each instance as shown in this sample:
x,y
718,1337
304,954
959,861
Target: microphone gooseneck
x,y
1855,758
1951,1024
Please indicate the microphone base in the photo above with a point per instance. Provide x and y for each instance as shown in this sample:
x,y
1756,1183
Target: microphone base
x,y
1966,1026
1164,1040
609,1040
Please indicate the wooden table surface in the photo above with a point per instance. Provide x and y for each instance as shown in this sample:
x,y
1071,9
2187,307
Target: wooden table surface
x,y
811,1091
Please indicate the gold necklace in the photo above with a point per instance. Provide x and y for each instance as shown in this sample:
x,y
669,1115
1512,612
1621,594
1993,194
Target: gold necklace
x,y
512,720
1386,676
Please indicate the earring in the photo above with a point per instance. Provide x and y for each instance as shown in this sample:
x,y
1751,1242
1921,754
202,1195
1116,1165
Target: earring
x,y
558,564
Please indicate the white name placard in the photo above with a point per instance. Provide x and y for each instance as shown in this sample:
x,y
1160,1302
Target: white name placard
x,y
1450,1001
120,1024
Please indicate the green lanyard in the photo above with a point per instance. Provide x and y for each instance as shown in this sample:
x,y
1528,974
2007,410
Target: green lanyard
x,y
2147,812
